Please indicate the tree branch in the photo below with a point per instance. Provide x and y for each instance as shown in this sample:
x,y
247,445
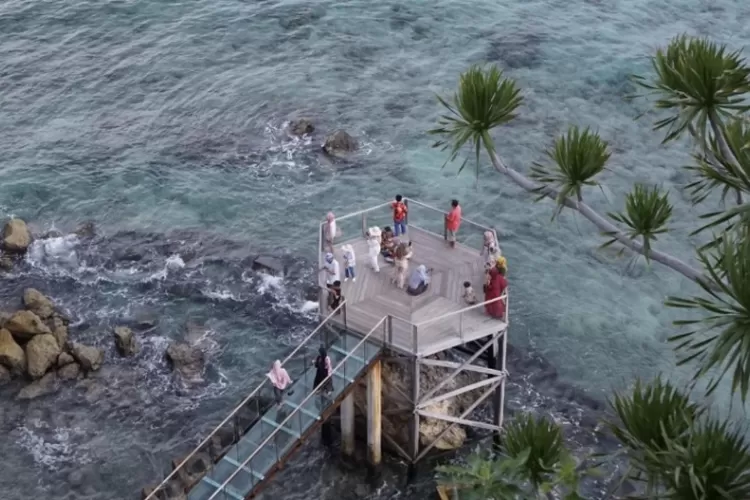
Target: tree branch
x,y
603,224
715,122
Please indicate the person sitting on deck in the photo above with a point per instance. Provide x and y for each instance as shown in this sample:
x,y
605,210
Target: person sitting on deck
x,y
387,244
495,287
334,295
323,369
280,380
419,281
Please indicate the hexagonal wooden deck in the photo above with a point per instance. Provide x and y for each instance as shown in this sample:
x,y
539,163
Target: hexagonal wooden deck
x,y
373,296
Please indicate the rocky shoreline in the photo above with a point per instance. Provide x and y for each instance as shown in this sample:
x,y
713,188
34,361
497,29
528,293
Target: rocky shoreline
x,y
34,339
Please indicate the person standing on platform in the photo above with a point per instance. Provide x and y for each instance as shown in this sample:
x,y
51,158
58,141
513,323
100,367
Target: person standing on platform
x,y
280,380
323,369
349,262
330,231
453,222
399,215
495,287
332,269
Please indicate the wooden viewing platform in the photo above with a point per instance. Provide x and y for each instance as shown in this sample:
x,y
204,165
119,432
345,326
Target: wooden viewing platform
x,y
435,321
376,327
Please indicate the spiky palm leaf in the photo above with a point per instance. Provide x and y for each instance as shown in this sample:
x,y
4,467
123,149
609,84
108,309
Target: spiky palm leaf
x,y
647,211
713,170
696,80
649,418
576,158
540,441
712,463
483,478
721,339
484,100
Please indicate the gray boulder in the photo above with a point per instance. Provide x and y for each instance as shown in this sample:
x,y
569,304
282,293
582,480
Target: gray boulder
x,y
41,354
25,324
301,127
90,358
70,371
37,303
188,361
340,143
16,236
42,387
12,356
125,341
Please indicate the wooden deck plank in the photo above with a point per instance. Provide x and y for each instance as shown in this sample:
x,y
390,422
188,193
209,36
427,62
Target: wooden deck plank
x,y
373,295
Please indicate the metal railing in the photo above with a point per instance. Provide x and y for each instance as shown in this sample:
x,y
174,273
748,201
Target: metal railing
x,y
301,405
243,404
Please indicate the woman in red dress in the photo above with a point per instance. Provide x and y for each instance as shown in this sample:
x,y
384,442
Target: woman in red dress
x,y
495,287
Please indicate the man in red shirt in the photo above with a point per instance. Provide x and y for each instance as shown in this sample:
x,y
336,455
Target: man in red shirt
x,y
452,222
399,215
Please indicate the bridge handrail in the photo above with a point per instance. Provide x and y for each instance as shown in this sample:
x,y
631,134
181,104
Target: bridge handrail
x,y
463,219
299,408
461,311
152,495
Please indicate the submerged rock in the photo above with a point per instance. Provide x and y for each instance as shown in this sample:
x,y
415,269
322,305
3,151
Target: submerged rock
x,y
41,354
4,375
69,371
125,341
42,387
37,303
301,127
270,264
90,358
59,331
86,230
186,360
16,236
25,324
64,359
6,263
339,143
12,356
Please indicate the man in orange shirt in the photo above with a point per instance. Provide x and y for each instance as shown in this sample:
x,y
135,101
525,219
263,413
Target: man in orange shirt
x,y
452,222
399,215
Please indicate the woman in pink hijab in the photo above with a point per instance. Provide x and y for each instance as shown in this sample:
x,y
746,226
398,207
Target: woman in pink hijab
x,y
330,231
280,379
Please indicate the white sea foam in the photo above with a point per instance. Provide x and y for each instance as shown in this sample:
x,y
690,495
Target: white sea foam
x,y
53,447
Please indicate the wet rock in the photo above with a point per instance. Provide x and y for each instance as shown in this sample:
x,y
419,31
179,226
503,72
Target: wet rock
x,y
41,353
86,230
194,332
4,318
37,303
69,371
146,320
59,331
64,359
339,143
267,263
25,324
16,236
6,263
301,127
125,341
194,469
42,387
4,375
90,358
12,356
186,360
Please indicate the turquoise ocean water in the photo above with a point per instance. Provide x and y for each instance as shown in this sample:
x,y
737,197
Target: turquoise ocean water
x,y
162,122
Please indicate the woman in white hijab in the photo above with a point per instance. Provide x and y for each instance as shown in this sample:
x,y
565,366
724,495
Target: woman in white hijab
x,y
418,281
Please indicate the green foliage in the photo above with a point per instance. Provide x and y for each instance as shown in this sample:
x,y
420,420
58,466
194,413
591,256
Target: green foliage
x,y
712,461
484,100
484,479
721,337
646,214
696,80
650,418
540,440
577,158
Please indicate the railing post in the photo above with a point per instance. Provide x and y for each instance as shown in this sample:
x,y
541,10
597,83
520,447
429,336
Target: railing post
x,y
414,339
343,311
390,330
364,224
461,325
445,228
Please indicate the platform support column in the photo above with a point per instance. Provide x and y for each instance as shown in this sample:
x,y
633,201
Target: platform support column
x,y
347,425
497,360
374,405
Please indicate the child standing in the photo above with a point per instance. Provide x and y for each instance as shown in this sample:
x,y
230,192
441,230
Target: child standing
x,y
469,296
453,222
373,247
399,215
349,262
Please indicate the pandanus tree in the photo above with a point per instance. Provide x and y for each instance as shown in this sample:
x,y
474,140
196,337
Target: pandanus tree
x,y
700,89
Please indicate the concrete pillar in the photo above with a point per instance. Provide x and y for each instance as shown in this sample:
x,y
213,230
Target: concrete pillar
x,y
414,421
374,395
347,425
